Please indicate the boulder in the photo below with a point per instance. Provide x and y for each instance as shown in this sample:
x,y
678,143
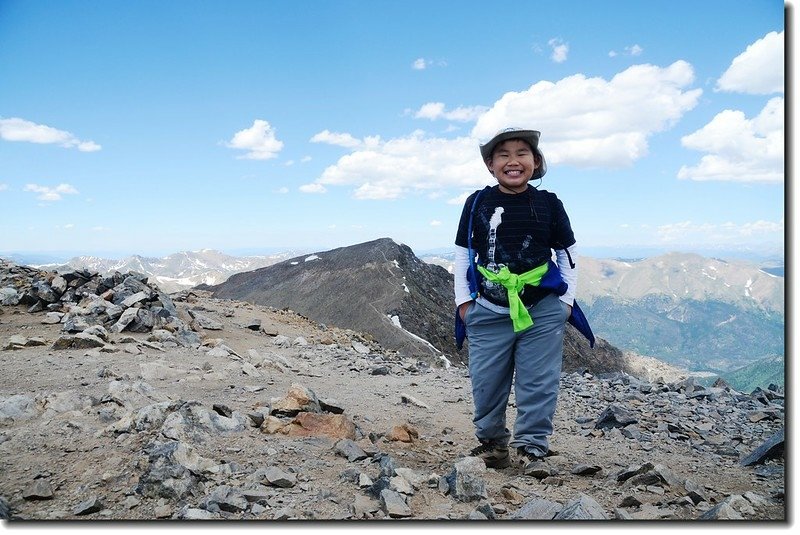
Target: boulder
x,y
298,399
466,479
582,508
307,424
78,341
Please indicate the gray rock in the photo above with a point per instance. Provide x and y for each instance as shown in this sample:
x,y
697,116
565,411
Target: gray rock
x,y
695,492
187,338
350,450
586,469
167,303
538,509
88,507
379,486
205,322
401,485
225,498
78,341
194,422
614,416
38,490
43,291
722,511
17,341
627,473
143,322
193,513
51,318
468,482
17,407
280,340
254,325
359,348
631,500
363,506
330,405
5,509
174,472
98,331
394,505
417,479
59,284
125,319
582,508
135,299
274,476
387,465
75,323
9,297
260,495
770,449
486,510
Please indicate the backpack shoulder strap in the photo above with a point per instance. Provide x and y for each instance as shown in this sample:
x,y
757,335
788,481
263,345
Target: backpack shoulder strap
x,y
472,272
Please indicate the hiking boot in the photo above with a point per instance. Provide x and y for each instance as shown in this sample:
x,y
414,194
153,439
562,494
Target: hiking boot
x,y
494,454
533,465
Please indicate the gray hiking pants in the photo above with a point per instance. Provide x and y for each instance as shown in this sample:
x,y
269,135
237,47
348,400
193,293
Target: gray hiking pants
x,y
531,358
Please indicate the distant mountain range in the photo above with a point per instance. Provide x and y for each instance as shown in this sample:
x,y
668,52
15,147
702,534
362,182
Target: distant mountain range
x,y
177,271
697,313
694,312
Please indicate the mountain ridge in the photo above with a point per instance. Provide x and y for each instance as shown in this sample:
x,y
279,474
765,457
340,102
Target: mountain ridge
x,y
405,303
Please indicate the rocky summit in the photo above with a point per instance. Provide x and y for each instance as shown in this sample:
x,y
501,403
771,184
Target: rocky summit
x,y
382,288
209,408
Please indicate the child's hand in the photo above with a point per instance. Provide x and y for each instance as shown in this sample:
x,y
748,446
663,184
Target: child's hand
x,y
462,309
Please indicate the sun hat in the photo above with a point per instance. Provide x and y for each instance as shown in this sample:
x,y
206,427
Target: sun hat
x,y
529,136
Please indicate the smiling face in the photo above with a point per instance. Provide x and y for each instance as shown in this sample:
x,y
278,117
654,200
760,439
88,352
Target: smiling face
x,y
512,164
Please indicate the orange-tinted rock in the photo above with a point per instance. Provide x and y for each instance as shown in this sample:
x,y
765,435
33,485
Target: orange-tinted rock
x,y
402,433
307,424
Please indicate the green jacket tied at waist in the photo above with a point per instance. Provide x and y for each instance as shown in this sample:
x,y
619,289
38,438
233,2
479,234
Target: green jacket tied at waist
x,y
520,317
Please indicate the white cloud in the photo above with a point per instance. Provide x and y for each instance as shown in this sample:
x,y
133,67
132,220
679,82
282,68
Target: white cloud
x,y
436,223
758,70
46,193
587,122
69,226
721,233
100,229
436,110
461,199
288,163
634,50
593,122
420,64
305,159
390,169
259,141
336,138
739,149
3,187
283,191
313,188
16,129
560,50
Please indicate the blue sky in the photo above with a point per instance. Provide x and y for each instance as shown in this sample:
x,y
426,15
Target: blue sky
x,y
156,127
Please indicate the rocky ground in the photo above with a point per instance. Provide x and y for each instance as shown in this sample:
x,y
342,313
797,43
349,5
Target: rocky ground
x,y
267,415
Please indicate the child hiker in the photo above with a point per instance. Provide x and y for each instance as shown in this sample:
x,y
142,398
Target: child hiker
x,y
513,301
